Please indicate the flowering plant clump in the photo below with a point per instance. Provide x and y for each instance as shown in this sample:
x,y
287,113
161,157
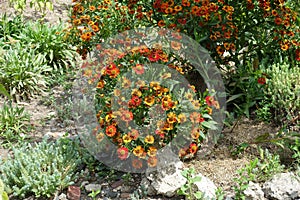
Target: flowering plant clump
x,y
143,105
232,31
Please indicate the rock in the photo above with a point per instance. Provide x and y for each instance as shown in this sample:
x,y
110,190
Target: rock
x,y
73,193
254,192
167,179
92,187
62,196
206,186
284,186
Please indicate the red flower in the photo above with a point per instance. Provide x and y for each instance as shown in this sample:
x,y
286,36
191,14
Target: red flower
x,y
153,57
127,116
209,100
112,71
298,54
135,101
193,148
261,80
122,153
111,130
139,69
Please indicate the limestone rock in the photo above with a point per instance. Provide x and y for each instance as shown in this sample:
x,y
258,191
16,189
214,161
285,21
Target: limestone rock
x,y
167,179
206,186
284,186
254,192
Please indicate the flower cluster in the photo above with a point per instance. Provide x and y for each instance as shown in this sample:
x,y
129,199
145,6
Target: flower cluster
x,y
223,27
139,110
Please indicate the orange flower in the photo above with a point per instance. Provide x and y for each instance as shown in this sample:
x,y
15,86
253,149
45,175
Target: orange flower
x,y
111,130
193,148
284,46
178,8
182,152
227,34
274,13
152,151
127,116
182,118
226,46
136,163
126,138
278,20
171,118
194,10
149,139
176,45
134,134
139,69
95,28
100,84
161,23
126,83
138,151
112,70
155,85
149,100
196,117
185,3
169,10
100,137
220,50
122,153
152,161
92,8
195,133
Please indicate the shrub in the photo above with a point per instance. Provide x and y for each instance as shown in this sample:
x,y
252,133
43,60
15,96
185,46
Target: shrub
x,y
282,95
40,169
22,72
13,121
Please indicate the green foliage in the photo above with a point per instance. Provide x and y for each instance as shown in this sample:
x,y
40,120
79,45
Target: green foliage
x,y
282,96
50,41
41,168
258,170
188,188
3,194
22,72
140,193
13,121
94,194
243,89
9,28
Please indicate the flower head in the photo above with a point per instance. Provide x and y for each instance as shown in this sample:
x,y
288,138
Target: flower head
x,y
122,153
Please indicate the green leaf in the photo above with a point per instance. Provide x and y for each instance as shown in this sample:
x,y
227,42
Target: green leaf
x,y
198,195
233,97
4,91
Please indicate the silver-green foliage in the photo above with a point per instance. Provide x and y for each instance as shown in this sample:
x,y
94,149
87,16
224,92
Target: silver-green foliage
x,y
283,91
40,169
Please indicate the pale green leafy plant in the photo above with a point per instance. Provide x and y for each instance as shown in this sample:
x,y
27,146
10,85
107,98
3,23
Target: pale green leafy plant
x,y
282,95
188,188
40,169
